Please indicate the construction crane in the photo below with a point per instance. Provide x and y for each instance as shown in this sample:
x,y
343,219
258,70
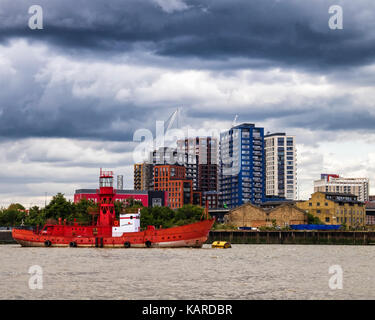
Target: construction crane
x,y
172,119
234,120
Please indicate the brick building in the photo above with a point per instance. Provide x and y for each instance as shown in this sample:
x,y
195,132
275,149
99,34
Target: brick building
x,y
172,178
335,208
249,215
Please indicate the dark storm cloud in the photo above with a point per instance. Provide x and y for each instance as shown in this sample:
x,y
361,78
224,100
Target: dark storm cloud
x,y
290,32
211,34
81,121
333,114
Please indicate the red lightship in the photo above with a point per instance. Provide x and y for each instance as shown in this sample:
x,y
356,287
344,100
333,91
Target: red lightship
x,y
111,233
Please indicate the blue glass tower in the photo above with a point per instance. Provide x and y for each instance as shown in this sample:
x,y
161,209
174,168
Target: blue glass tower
x,y
242,165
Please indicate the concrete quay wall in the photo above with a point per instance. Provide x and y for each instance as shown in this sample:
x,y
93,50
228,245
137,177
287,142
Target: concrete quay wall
x,y
293,237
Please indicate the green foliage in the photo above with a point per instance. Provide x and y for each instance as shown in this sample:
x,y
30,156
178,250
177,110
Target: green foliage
x,y
35,217
311,219
59,207
130,203
13,215
223,226
265,228
274,224
16,206
166,217
81,211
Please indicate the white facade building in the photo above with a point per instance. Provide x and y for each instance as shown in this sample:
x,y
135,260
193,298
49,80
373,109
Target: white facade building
x,y
337,184
281,166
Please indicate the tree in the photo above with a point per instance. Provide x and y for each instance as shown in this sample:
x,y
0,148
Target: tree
x,y
81,211
35,217
132,203
311,219
59,207
188,214
16,206
14,215
166,217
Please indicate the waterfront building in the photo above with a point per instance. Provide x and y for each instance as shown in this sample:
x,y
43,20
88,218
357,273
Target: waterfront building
x,y
249,215
281,166
172,178
242,165
337,184
335,208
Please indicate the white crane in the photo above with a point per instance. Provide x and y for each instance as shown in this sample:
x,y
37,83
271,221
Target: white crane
x,y
234,120
171,119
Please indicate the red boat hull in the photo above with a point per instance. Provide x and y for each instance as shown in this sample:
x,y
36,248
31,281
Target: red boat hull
x,y
191,235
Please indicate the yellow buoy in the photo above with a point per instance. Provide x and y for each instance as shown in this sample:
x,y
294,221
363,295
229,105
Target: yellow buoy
x,y
221,244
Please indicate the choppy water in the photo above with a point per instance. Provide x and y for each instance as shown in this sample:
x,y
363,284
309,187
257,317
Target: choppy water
x,y
242,272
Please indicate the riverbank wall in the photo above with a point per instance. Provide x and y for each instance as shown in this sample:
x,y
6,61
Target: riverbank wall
x,y
293,237
6,237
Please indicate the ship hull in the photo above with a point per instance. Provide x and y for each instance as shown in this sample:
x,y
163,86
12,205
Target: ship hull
x,y
192,235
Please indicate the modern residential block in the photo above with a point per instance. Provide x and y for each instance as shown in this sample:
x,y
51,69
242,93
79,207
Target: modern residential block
x,y
205,150
281,166
143,176
172,156
335,183
172,178
242,165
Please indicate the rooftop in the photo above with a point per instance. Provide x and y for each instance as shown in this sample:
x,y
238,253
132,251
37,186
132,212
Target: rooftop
x,y
338,194
244,125
275,134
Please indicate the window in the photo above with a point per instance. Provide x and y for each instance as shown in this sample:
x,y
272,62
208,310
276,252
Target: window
x,y
327,219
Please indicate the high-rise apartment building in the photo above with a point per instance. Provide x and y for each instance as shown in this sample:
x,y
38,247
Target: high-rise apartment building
x,y
281,166
204,150
166,155
334,183
143,174
242,165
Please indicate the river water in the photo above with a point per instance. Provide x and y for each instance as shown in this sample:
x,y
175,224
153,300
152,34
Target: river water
x,y
242,272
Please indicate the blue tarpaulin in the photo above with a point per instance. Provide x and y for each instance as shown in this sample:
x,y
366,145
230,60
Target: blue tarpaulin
x,y
315,227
